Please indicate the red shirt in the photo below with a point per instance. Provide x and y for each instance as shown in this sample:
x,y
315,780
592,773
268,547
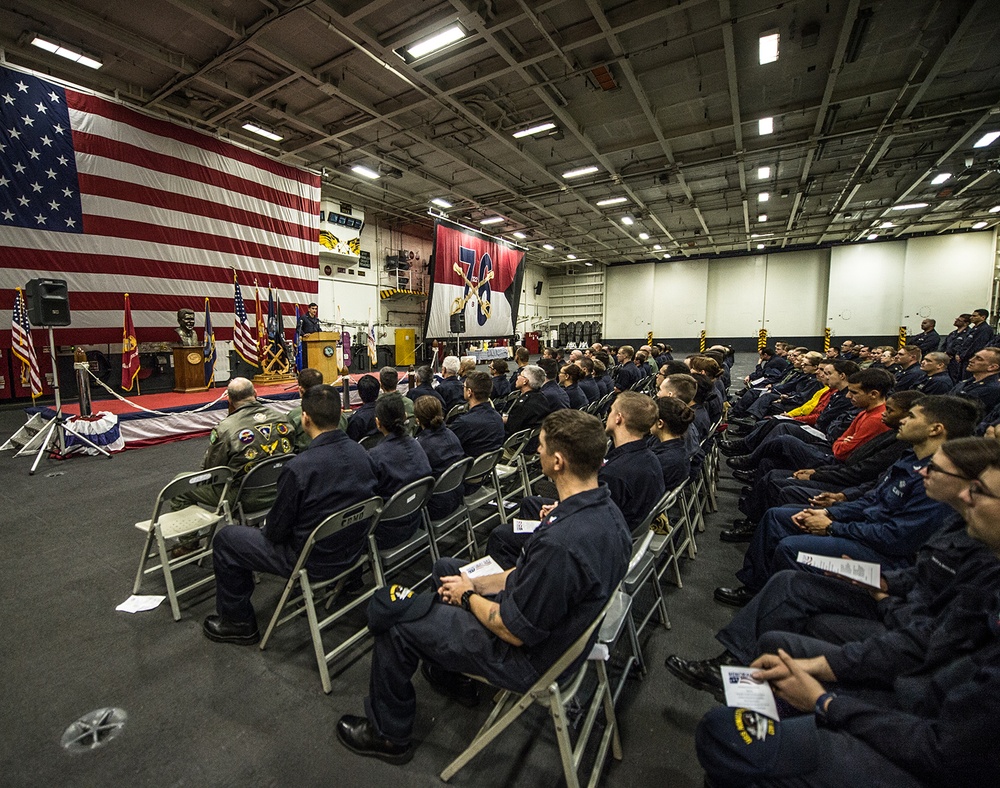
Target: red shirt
x,y
866,425
824,400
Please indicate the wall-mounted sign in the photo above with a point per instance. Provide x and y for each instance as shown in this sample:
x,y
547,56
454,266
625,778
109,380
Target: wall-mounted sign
x,y
365,260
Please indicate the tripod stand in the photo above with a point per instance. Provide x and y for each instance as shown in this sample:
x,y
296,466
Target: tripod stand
x,y
53,437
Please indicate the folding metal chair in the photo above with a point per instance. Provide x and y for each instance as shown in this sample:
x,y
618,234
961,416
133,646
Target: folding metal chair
x,y
256,492
406,501
548,691
510,467
483,471
455,412
439,530
668,544
304,600
168,525
369,442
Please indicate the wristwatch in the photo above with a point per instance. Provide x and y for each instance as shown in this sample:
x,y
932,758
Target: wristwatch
x,y
821,703
466,605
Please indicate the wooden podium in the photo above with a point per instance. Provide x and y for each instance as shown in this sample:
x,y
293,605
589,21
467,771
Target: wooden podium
x,y
189,368
323,352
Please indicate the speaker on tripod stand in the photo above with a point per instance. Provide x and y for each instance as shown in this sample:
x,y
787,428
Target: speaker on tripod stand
x,y
48,302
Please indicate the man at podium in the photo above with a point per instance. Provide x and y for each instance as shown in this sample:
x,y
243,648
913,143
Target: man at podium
x,y
309,322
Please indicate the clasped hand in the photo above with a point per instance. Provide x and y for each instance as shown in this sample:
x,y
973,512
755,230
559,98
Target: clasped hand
x,y
812,521
453,586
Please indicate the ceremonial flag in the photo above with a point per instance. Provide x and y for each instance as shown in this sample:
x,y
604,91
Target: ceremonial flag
x,y
24,347
275,326
113,200
260,326
210,354
299,361
244,342
372,348
130,349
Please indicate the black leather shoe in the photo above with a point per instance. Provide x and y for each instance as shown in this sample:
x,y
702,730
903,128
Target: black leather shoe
x,y
748,477
737,597
357,735
731,448
741,463
242,633
702,674
742,531
452,685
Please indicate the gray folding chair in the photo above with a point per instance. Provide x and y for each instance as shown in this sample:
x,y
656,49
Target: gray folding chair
x,y
371,441
169,525
483,471
456,411
510,467
406,501
256,492
301,592
556,695
449,481
668,546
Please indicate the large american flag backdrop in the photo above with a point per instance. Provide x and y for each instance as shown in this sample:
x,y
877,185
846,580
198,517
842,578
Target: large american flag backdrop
x,y
114,201
475,274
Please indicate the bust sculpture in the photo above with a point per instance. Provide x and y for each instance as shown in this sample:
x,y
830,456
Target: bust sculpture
x,y
185,328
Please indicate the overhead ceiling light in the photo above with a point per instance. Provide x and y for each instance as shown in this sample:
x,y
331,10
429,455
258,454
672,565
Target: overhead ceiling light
x,y
588,264
978,225
987,139
760,246
365,172
908,206
644,236
548,247
571,257
627,220
885,225
611,201
768,52
941,178
441,202
537,129
492,220
657,247
873,236
66,52
265,133
433,43
995,209
763,173
519,234
765,126
579,173
764,196
761,235
762,217
666,256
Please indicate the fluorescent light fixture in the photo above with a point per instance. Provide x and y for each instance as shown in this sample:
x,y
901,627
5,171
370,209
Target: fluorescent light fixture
x,y
66,52
873,236
995,209
365,172
987,139
492,220
534,130
761,235
885,225
644,236
666,256
657,247
760,246
441,202
548,247
589,264
579,173
519,234
765,126
941,178
436,41
978,225
264,132
571,257
762,217
768,52
627,220
908,206
764,196
611,201
763,173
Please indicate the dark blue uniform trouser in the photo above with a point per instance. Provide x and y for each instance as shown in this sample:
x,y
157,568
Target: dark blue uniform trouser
x,y
777,488
777,541
738,747
449,637
504,546
827,608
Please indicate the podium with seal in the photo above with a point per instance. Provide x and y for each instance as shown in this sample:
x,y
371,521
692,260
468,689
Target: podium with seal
x,y
323,352
189,368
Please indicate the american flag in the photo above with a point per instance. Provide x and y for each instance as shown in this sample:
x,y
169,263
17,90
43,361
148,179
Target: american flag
x,y
24,346
244,341
112,200
211,355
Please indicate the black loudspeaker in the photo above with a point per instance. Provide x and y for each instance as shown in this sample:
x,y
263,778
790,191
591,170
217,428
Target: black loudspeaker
x,y
538,288
48,302
458,323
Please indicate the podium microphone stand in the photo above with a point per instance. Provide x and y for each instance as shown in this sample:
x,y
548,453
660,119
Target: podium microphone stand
x,y
53,436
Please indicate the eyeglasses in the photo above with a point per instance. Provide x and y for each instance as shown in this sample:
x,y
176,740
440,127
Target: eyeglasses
x,y
931,467
977,489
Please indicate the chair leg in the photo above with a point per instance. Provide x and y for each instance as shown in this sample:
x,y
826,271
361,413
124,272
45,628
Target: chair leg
x,y
143,561
484,737
317,638
611,719
272,625
558,713
168,577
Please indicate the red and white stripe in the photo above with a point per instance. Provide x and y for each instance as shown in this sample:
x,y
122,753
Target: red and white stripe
x,y
168,213
23,345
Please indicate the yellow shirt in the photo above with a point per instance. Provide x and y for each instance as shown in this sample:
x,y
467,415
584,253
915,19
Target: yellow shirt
x,y
809,406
